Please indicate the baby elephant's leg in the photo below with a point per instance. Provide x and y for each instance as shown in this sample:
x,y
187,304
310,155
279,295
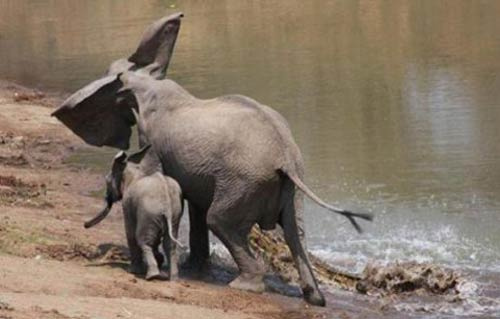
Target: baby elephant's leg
x,y
147,238
171,252
137,265
153,272
158,256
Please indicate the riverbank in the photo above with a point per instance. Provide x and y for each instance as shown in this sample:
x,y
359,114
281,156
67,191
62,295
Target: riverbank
x,y
51,267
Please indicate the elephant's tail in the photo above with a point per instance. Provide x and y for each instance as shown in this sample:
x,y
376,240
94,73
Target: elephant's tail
x,y
350,215
175,240
167,215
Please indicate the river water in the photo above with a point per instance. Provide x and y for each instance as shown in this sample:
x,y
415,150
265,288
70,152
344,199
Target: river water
x,y
395,104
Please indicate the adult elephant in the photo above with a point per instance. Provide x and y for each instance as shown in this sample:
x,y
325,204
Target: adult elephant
x,y
235,159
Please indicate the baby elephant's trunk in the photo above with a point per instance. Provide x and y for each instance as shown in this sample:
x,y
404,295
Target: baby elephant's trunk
x,y
99,217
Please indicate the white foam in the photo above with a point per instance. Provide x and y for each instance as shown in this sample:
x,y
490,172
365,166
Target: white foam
x,y
443,246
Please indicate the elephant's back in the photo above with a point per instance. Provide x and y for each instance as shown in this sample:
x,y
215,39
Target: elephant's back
x,y
231,136
147,194
273,126
263,135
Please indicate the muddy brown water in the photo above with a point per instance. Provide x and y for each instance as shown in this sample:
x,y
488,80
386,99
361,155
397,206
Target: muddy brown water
x,y
395,105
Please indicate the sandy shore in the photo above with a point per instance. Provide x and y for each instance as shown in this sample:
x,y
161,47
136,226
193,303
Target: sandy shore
x,y
51,267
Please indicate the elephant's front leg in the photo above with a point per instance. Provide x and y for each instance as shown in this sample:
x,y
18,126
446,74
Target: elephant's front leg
x,y
198,240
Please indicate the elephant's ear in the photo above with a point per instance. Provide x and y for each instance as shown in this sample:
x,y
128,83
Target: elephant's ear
x,y
119,164
157,44
139,155
120,157
95,114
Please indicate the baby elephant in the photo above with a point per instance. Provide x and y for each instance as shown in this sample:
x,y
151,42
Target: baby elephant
x,y
152,208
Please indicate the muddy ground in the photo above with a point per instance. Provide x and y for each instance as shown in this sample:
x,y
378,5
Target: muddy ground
x,y
51,267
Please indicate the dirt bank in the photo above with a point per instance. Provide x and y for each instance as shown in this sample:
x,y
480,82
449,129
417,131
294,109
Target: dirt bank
x,y
50,267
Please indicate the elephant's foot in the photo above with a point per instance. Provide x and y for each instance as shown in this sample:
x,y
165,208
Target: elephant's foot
x,y
314,297
195,266
249,282
157,275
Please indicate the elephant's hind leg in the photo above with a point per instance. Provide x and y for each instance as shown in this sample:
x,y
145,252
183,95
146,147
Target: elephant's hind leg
x,y
233,233
158,256
148,239
292,224
154,271
136,264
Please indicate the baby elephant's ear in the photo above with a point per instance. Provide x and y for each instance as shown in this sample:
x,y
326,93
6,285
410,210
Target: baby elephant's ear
x,y
120,158
119,162
137,157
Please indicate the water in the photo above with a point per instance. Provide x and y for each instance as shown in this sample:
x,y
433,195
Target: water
x,y
395,105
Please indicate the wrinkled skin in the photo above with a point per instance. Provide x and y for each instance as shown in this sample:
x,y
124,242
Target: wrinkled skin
x,y
235,160
152,208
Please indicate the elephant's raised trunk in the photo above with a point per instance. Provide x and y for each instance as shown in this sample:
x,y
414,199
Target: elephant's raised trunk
x,y
99,217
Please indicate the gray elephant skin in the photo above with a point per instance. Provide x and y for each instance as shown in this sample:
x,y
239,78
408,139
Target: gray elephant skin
x,y
152,209
234,158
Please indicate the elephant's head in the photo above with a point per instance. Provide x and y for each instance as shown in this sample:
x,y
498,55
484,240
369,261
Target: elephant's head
x,y
96,113
124,169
